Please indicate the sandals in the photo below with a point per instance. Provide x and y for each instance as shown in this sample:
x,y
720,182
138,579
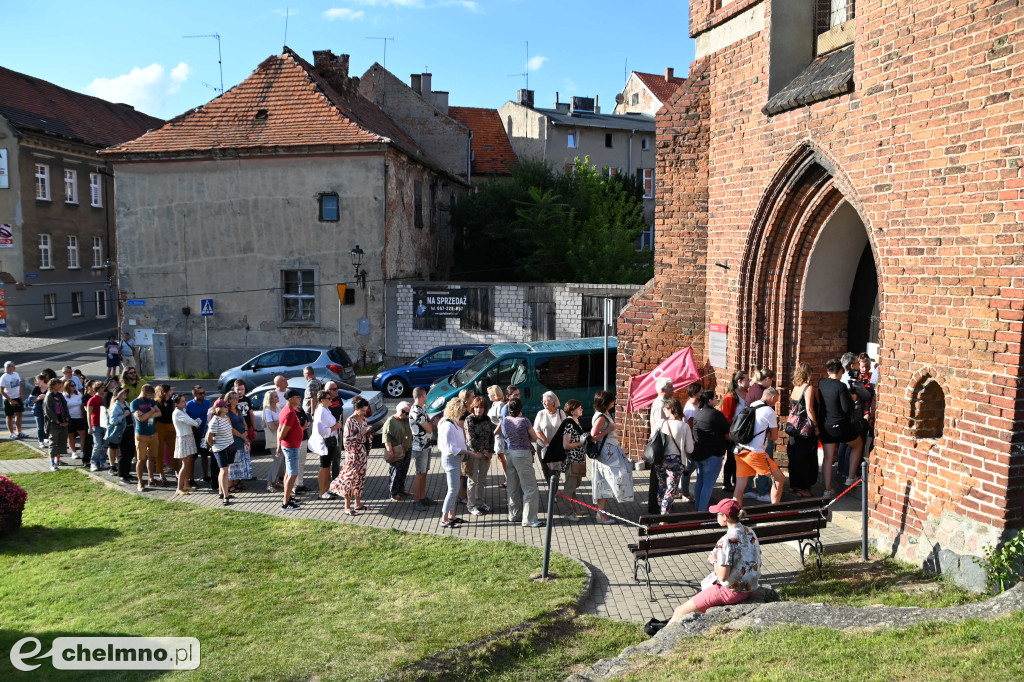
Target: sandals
x,y
360,508
352,512
451,524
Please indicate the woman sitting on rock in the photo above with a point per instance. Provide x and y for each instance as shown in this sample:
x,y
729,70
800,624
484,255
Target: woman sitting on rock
x,y
737,562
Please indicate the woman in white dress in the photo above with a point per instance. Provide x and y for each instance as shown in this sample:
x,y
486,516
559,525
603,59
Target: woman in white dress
x,y
184,442
612,475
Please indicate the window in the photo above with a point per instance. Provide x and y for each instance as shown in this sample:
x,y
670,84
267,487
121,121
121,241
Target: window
x,y
274,358
646,176
570,169
478,315
70,187
610,171
465,353
645,142
329,211
50,306
510,371
563,372
298,295
296,357
646,239
76,303
72,252
831,28
417,204
927,409
635,99
573,140
441,356
593,314
101,303
44,252
608,139
97,252
42,182
95,190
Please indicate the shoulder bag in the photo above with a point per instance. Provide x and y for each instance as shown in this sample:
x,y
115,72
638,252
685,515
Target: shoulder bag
x,y
654,452
798,424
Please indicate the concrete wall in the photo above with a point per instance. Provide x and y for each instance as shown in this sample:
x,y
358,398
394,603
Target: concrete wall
x,y
511,315
443,138
526,129
30,217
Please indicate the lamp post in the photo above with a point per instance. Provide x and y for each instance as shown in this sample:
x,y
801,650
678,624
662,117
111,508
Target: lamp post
x,y
357,260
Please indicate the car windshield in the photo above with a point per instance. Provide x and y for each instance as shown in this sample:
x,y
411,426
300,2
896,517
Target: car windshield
x,y
466,374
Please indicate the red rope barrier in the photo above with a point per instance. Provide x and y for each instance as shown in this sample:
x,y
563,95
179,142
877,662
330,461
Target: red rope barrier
x,y
840,495
601,511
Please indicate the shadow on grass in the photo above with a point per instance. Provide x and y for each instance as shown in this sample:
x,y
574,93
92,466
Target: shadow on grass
x,y
33,540
46,670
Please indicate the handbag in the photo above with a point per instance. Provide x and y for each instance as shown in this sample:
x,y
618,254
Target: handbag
x,y
654,452
577,469
594,449
798,424
396,455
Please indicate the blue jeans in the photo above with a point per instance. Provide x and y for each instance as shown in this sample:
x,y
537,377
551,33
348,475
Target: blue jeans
x,y
40,425
707,474
452,466
99,450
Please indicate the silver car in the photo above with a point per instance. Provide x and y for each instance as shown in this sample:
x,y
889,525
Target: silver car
x,y
378,410
329,362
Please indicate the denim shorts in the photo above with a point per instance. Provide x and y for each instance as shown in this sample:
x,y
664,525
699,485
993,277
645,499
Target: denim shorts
x,y
291,460
422,459
226,457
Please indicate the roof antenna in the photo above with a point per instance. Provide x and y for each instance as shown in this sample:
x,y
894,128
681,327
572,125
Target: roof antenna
x,y
526,73
220,62
287,10
385,40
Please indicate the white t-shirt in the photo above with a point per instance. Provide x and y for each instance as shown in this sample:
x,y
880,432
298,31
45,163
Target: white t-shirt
x,y
11,381
657,413
689,410
765,419
74,405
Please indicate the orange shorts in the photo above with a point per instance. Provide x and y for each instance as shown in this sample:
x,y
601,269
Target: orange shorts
x,y
749,463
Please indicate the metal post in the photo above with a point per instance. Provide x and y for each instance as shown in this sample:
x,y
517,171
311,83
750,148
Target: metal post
x,y
864,508
339,322
552,486
206,326
607,322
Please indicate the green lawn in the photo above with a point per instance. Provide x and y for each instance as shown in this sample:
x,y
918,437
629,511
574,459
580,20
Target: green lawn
x,y
268,598
12,449
991,651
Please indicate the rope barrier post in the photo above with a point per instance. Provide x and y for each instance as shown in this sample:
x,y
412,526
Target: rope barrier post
x,y
552,484
864,507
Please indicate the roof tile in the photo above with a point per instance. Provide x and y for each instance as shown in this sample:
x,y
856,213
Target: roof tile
x,y
662,88
492,152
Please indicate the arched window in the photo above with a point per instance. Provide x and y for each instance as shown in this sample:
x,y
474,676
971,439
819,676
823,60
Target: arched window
x,y
927,409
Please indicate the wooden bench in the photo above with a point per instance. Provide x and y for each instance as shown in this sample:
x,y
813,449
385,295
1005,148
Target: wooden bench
x,y
802,520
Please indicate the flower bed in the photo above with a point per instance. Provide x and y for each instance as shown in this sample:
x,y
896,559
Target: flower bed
x,y
12,504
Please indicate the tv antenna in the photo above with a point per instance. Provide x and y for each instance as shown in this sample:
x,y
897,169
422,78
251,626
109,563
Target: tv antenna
x,y
526,73
220,61
385,41
287,10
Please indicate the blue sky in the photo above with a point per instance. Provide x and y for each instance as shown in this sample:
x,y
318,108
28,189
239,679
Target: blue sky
x,y
135,53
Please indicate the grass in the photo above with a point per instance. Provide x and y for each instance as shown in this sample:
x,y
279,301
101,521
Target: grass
x,y
972,650
850,581
268,598
12,449
549,648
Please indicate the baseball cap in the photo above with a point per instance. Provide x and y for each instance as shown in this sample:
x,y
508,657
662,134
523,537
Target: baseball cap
x,y
221,403
8,364
728,506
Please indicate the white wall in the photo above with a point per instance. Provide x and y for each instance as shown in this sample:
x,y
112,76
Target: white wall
x,y
834,259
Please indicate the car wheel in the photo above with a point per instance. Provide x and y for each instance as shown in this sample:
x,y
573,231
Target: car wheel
x,y
395,387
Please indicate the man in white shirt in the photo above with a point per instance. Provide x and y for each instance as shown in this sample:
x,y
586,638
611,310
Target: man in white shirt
x,y
127,352
422,427
752,457
665,391
69,375
14,406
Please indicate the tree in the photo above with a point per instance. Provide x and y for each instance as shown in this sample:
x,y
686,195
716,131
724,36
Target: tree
x,y
543,226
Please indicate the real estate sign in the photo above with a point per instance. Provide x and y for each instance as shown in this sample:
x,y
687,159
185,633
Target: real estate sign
x,y
437,302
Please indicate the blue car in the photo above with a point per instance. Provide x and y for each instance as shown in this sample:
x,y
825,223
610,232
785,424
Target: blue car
x,y
425,370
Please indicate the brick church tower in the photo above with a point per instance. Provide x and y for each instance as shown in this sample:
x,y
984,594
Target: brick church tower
x,y
835,173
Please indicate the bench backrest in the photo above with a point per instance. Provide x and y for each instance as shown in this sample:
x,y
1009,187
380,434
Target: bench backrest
x,y
758,515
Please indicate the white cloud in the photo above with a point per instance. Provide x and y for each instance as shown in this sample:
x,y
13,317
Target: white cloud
x,y
535,63
343,13
146,89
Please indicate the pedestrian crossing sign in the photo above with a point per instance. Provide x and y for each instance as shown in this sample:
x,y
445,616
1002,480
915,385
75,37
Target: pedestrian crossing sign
x,y
206,307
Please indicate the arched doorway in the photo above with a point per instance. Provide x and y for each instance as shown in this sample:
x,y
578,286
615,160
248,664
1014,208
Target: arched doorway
x,y
809,282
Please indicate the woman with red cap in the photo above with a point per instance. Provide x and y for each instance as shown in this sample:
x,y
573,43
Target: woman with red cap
x,y
737,562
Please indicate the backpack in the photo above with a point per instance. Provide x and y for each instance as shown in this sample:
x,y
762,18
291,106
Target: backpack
x,y
742,429
654,453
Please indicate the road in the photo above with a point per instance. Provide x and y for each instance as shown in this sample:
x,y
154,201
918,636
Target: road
x,y
77,345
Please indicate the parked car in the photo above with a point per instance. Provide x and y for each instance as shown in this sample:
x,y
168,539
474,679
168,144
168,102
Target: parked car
x,y
572,369
378,415
330,362
426,370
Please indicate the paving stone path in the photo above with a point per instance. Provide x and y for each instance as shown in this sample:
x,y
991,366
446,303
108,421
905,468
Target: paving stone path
x,y
603,548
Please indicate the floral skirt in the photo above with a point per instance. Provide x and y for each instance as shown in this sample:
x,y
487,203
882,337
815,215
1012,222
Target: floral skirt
x,y
612,475
241,470
352,479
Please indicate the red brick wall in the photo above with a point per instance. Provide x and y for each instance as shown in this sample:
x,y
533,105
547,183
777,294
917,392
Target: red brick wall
x,y
928,150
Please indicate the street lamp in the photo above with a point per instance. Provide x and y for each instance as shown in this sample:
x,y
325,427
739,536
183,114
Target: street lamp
x,y
357,260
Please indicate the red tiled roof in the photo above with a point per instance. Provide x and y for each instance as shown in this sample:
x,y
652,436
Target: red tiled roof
x,y
492,152
284,103
37,105
662,88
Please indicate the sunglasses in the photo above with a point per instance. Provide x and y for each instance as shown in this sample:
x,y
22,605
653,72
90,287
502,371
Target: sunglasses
x,y
404,413
200,392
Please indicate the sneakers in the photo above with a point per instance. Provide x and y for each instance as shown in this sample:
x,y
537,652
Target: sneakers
x,y
93,467
482,506
293,504
763,498
535,524
476,512
77,454
851,481
22,435
419,506
325,496
828,494
13,436
54,467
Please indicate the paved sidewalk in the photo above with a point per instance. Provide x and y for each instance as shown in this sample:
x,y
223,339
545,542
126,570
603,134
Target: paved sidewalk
x,y
614,594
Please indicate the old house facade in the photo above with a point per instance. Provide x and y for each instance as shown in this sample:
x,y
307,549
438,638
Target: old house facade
x,y
841,173
645,93
258,199
57,230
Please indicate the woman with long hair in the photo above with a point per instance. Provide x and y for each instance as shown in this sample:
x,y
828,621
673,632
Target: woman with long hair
x,y
351,482
76,411
480,437
803,451
522,481
165,432
732,404
498,400
680,445
271,410
710,431
613,475
221,439
451,441
184,443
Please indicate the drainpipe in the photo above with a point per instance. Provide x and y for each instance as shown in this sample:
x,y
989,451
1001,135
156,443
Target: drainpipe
x,y
469,158
630,156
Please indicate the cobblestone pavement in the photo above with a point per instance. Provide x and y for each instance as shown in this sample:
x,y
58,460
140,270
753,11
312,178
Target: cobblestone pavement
x,y
614,594
23,344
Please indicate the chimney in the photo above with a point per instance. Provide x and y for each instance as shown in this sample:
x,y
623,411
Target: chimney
x,y
525,97
425,81
332,68
416,84
597,107
441,101
670,73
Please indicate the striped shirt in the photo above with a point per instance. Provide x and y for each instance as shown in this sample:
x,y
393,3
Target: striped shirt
x,y
220,427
